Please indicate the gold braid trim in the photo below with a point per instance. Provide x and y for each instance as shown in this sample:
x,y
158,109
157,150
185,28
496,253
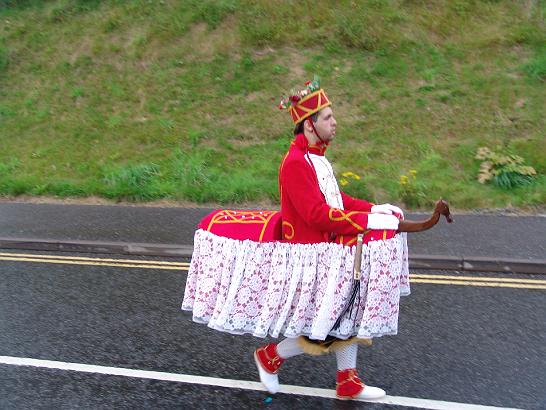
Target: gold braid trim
x,y
341,216
353,378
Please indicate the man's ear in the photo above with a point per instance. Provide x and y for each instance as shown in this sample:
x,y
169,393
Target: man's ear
x,y
308,126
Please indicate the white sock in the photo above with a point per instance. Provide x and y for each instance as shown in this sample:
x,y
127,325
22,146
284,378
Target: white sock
x,y
289,347
346,357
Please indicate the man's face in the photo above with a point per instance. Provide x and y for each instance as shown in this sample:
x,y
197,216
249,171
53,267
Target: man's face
x,y
326,124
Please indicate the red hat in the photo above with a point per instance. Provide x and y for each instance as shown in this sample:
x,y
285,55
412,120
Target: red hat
x,y
302,104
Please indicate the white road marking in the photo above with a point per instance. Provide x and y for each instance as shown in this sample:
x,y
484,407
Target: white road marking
x,y
235,384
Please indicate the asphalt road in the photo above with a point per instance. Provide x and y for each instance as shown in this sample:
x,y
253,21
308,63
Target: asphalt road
x,y
469,344
502,236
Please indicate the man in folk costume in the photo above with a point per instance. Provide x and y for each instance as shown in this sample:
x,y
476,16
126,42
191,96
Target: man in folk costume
x,y
315,210
325,272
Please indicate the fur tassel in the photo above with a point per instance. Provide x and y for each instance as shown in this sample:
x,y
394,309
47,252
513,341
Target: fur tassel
x,y
314,349
338,344
318,347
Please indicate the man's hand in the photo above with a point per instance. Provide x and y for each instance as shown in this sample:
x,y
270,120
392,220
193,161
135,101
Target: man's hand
x,y
388,209
382,221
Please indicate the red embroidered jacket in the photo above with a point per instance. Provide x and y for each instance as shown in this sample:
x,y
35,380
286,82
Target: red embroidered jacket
x,y
306,217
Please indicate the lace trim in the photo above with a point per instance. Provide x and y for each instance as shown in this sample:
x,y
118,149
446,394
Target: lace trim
x,y
280,288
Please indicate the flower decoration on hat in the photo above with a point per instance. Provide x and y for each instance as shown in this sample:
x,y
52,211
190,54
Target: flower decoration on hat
x,y
304,103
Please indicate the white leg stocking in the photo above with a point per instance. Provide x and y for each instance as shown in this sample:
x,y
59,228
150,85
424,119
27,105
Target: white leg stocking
x,y
289,347
346,357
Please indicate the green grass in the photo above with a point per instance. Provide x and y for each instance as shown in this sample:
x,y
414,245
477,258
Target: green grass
x,y
138,100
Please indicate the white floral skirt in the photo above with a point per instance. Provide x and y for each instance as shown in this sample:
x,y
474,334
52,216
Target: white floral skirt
x,y
279,288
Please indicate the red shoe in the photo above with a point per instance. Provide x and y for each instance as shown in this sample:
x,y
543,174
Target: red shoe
x,y
349,386
268,363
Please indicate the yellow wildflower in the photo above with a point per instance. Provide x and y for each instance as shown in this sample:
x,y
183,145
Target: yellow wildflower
x,y
343,182
350,174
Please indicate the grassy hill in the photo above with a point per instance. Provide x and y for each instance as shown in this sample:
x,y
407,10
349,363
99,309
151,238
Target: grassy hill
x,y
141,100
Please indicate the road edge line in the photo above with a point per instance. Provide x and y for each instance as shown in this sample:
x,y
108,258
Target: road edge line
x,y
232,383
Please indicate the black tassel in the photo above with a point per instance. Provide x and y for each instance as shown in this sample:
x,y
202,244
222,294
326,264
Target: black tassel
x,y
350,304
354,301
356,283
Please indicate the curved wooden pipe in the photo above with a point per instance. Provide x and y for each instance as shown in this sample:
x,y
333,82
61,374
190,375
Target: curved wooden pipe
x,y
441,208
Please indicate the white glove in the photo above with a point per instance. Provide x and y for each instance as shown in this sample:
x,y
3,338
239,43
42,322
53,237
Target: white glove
x,y
382,221
387,209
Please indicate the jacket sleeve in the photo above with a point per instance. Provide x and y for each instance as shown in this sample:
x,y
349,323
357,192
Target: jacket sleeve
x,y
299,182
354,204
